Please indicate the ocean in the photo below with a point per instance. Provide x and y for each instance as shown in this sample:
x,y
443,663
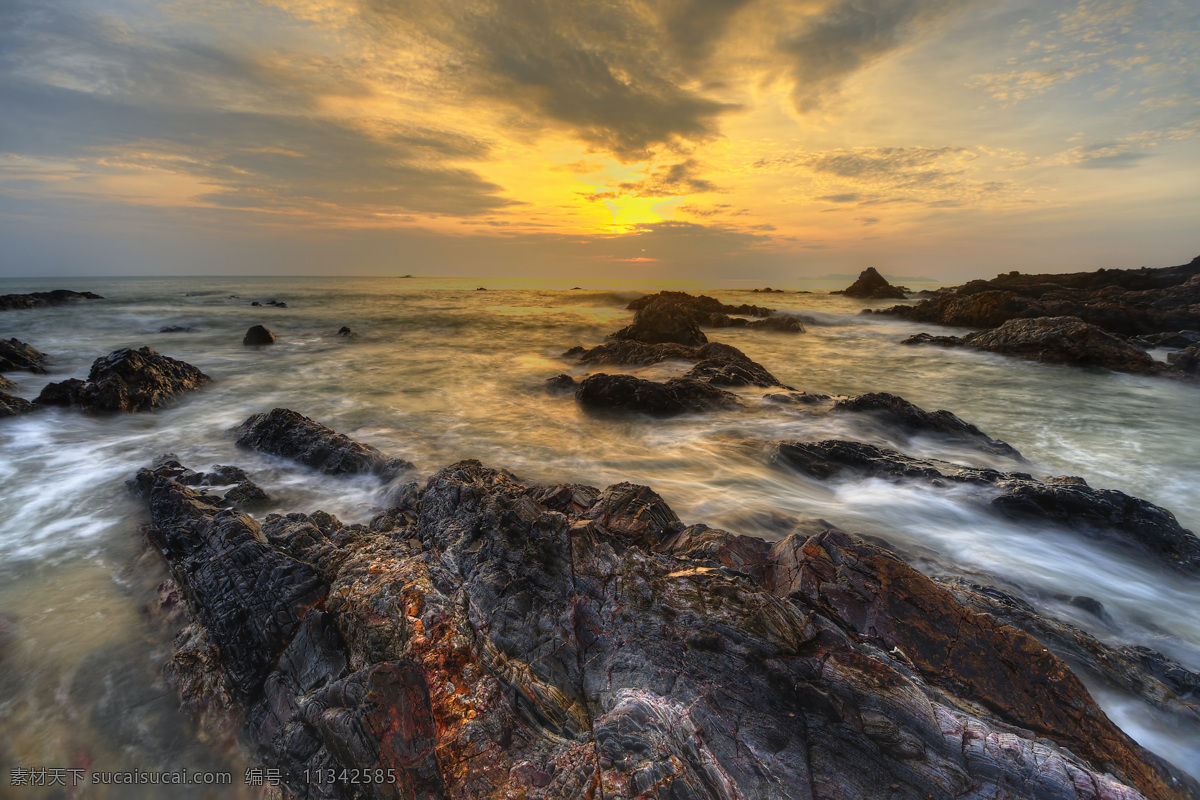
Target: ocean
x,y
441,371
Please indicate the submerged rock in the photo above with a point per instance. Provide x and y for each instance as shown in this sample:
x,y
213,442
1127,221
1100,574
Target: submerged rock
x,y
58,297
1068,502
283,432
563,642
912,419
258,336
561,384
126,380
676,396
16,355
346,333
872,286
11,406
1056,340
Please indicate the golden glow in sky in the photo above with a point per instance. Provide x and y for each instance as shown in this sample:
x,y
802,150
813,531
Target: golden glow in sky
x,y
672,138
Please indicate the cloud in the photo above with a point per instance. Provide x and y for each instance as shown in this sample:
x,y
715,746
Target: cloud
x,y
848,35
664,181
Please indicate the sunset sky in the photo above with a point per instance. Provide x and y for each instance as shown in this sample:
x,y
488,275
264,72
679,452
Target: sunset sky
x,y
709,139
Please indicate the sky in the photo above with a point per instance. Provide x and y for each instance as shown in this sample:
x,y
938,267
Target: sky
x,y
758,140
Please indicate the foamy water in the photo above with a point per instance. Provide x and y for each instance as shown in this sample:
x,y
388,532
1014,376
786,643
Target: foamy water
x,y
442,372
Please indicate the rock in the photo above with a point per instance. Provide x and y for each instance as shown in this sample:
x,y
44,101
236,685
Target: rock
x,y
1126,302
11,406
701,305
1101,513
911,419
258,336
767,290
6,384
676,396
872,286
928,338
16,355
492,647
174,329
1064,340
677,317
716,363
561,384
797,399
346,333
283,432
1179,339
663,321
58,297
126,380
1186,360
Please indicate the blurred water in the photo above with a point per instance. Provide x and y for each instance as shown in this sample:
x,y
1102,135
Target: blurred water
x,y
441,371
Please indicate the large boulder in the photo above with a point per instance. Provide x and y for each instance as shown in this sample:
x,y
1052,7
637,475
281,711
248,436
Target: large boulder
x,y
58,297
872,286
664,320
678,316
491,640
11,406
676,396
16,355
283,432
127,380
1055,340
1063,501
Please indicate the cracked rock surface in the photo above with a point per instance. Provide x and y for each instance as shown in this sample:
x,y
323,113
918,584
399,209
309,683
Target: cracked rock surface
x,y
488,639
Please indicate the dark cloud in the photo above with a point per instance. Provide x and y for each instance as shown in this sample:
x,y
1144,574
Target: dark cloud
x,y
599,69
74,88
849,35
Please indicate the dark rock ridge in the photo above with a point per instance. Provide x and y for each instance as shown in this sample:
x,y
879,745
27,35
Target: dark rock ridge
x,y
258,336
678,316
283,432
1126,302
1066,501
912,419
872,286
676,396
239,491
1055,340
490,640
16,355
11,406
58,297
716,363
6,384
126,380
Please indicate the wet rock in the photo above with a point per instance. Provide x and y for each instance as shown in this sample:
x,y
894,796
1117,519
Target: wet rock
x,y
1055,340
699,304
1126,302
872,286
797,399
767,290
1180,339
16,355
912,419
283,432
174,329
663,321
492,647
677,317
58,297
11,406
1186,360
1102,513
258,336
676,396
6,385
716,363
346,333
127,380
561,384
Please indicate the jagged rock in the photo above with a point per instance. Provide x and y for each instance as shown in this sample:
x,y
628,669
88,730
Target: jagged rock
x,y
258,336
912,419
676,396
283,432
1186,360
1127,302
58,297
16,355
11,406
700,304
872,286
492,647
1068,502
797,399
346,333
126,380
6,384
1180,339
677,317
1056,340
664,320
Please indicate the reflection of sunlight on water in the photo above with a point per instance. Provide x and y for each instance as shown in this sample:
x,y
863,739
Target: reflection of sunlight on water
x,y
441,374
